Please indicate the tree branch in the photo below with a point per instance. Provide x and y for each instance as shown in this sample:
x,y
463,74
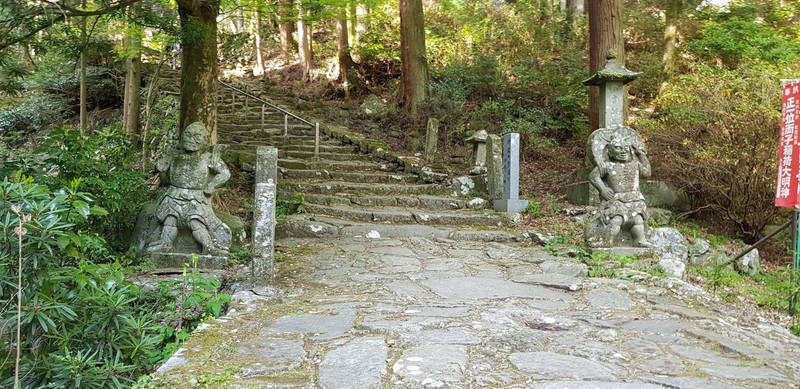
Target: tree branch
x,y
69,11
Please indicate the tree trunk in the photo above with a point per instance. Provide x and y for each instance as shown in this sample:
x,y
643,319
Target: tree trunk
x,y
670,37
258,69
413,61
286,27
346,62
352,13
304,46
133,82
148,104
605,33
199,61
362,16
576,7
84,118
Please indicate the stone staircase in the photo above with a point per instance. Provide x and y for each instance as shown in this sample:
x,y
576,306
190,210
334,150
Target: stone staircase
x,y
346,182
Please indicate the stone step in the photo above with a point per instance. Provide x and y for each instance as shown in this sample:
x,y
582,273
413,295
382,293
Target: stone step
x,y
397,215
293,129
323,155
326,148
241,153
272,140
418,202
226,129
301,164
323,227
254,117
350,188
324,174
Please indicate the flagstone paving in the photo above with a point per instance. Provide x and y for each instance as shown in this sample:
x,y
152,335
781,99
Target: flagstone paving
x,y
417,312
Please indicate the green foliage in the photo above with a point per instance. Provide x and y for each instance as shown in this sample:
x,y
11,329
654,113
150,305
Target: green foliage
x,y
738,36
83,324
234,47
534,209
34,112
239,255
77,322
603,264
284,208
717,132
186,302
101,166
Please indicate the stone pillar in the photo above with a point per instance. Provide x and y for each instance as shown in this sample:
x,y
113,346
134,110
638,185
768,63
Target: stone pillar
x,y
494,165
510,201
478,142
612,100
431,138
263,245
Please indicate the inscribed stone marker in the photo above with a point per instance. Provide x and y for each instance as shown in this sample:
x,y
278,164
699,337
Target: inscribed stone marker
x,y
494,165
263,249
510,201
431,138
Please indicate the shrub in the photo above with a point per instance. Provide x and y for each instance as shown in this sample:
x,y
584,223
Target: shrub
x,y
83,324
102,164
738,36
35,112
715,134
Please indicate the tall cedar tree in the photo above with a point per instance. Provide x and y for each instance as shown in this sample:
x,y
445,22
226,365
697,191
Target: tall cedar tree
x,y
414,63
199,64
605,33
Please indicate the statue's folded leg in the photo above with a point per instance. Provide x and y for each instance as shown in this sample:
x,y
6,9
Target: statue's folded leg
x,y
169,231
614,226
637,232
201,235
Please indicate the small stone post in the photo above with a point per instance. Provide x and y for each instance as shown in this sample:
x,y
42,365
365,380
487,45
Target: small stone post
x,y
478,142
494,165
431,138
510,201
263,245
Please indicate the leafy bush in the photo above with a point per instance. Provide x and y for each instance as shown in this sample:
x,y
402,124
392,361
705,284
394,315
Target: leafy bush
x,y
100,165
738,36
35,112
715,135
82,324
234,47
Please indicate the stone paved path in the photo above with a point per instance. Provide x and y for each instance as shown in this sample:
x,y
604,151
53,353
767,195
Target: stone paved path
x,y
359,312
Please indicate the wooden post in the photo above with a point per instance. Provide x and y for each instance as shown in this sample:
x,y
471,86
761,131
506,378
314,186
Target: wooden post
x,y
316,141
263,111
285,125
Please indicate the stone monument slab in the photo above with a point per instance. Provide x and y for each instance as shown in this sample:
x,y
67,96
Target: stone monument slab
x,y
263,245
510,201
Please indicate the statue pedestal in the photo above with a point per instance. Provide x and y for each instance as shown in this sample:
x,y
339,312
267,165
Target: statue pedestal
x,y
176,260
620,251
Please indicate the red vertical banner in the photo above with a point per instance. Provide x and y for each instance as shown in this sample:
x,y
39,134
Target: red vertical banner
x,y
786,194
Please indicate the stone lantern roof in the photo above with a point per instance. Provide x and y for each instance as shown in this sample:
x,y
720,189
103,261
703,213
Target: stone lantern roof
x,y
614,70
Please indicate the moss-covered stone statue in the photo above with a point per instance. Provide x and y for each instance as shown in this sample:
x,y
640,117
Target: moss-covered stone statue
x,y
192,172
620,160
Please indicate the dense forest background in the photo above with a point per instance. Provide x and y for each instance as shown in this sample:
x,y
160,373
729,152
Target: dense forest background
x,y
85,110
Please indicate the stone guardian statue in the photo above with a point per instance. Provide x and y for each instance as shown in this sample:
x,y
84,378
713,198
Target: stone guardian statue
x,y
193,172
620,163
